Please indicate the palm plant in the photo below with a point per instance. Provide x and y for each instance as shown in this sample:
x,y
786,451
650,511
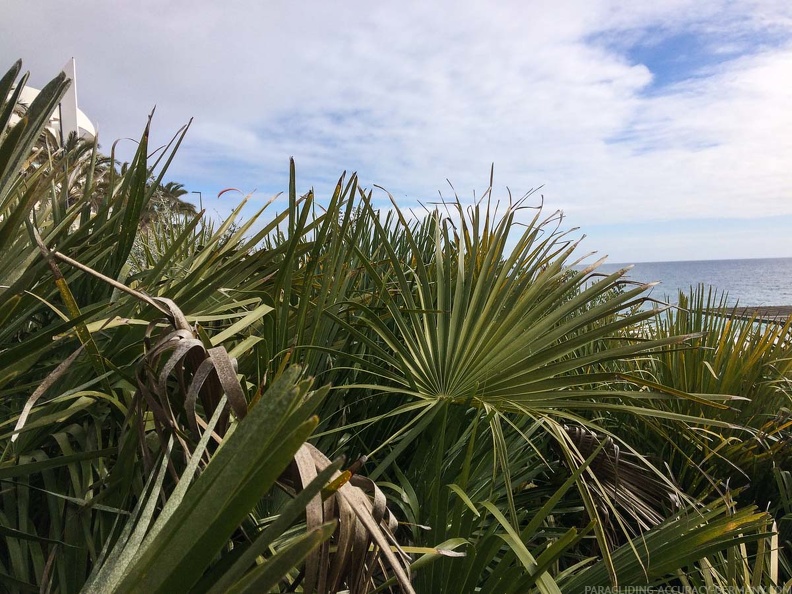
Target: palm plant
x,y
741,357
166,201
154,426
115,429
440,319
731,356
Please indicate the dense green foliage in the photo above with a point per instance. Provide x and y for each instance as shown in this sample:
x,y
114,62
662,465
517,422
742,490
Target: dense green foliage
x,y
172,393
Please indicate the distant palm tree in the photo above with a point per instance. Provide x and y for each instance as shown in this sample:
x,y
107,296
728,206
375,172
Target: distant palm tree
x,y
166,199
173,190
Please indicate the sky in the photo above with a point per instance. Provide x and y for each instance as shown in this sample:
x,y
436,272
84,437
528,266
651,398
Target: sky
x,y
662,129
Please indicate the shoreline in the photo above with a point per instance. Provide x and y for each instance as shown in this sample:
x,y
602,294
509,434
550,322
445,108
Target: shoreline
x,y
763,313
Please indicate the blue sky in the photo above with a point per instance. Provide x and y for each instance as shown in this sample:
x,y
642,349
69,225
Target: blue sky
x,y
662,129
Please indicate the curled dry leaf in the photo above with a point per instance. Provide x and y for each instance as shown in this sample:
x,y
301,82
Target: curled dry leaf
x,y
365,551
181,381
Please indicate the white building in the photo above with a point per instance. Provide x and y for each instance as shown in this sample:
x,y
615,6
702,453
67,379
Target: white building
x,y
67,117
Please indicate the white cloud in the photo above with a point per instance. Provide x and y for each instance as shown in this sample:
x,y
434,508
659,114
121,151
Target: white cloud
x,y
412,93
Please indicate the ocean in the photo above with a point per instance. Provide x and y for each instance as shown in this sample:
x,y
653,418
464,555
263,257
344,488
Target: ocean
x,y
751,282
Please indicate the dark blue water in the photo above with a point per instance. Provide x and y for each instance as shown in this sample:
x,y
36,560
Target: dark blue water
x,y
766,281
